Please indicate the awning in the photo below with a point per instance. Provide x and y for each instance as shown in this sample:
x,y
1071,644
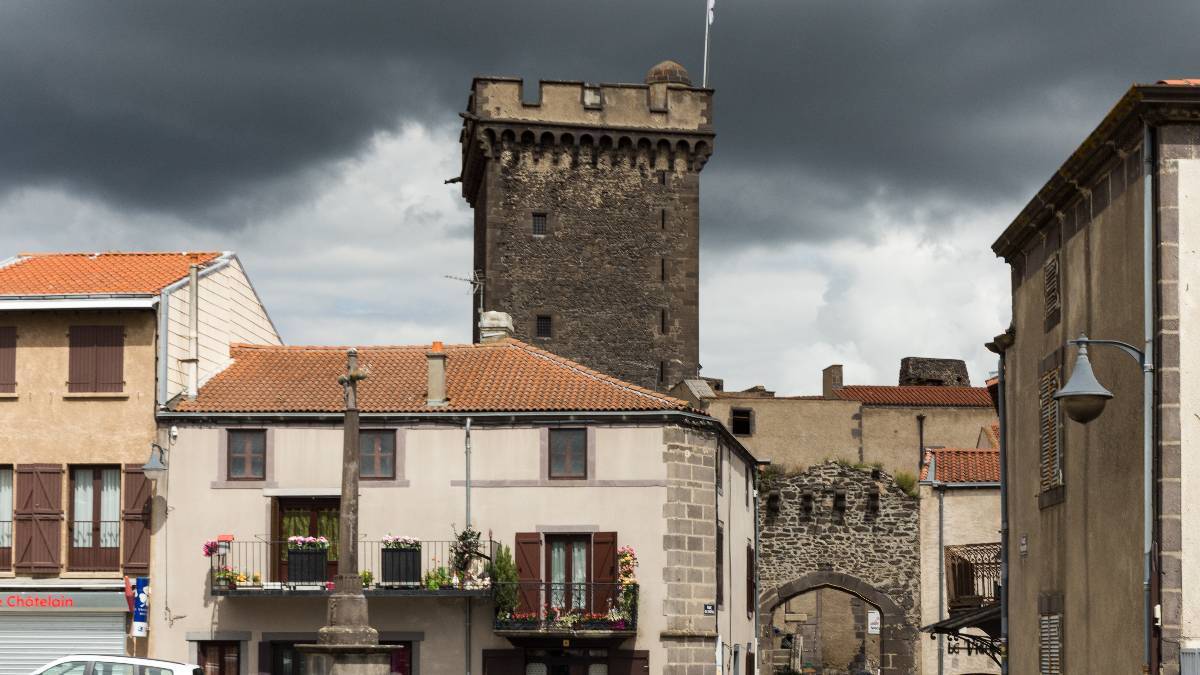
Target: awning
x,y
983,638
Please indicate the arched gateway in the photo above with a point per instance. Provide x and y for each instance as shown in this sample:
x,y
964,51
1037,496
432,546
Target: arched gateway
x,y
851,529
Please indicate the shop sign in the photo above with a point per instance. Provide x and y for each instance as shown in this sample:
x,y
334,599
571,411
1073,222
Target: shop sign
x,y
873,622
141,608
62,601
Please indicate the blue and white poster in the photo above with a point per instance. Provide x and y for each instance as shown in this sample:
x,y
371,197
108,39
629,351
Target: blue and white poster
x,y
141,607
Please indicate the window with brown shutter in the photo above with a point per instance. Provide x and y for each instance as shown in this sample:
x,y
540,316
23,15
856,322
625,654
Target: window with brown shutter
x,y
604,571
8,359
1053,292
1051,461
37,518
750,599
1050,644
720,564
135,519
97,359
528,552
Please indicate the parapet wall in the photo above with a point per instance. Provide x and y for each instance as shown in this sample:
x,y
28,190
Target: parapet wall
x,y
662,106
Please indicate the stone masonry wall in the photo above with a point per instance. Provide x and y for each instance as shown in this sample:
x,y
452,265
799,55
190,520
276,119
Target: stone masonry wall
x,y
690,545
621,246
874,554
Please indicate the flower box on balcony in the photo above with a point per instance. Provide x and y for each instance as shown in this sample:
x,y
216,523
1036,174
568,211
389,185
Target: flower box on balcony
x,y
402,566
306,565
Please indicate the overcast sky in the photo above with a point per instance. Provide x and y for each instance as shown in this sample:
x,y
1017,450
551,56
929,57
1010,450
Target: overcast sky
x,y
868,152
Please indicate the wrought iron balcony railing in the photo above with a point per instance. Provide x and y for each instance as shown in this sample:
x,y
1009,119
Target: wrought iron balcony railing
x,y
269,567
564,607
972,576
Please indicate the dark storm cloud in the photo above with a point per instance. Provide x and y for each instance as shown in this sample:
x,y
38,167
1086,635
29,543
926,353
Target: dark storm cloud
x,y
197,109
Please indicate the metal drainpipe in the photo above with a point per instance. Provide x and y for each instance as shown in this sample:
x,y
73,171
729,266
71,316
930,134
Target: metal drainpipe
x,y
193,375
467,622
920,442
1003,519
1149,228
941,488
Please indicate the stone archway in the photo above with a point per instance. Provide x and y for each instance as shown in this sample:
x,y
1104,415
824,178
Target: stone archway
x,y
898,636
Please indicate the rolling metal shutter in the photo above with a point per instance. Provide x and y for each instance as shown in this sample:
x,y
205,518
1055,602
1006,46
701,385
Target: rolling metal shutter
x,y
1189,662
29,640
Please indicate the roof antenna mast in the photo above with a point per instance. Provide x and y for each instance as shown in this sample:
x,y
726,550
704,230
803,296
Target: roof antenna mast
x,y
476,280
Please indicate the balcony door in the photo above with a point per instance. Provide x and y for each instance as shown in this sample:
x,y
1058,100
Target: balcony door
x,y
568,569
306,517
95,535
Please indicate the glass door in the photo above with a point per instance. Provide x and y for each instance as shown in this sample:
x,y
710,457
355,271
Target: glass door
x,y
568,561
307,517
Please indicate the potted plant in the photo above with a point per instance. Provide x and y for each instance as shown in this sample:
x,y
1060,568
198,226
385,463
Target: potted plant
x,y
366,578
503,572
227,577
307,557
518,621
401,561
437,578
465,549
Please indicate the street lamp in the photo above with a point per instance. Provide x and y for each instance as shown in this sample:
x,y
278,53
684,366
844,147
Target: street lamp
x,y
1083,399
156,467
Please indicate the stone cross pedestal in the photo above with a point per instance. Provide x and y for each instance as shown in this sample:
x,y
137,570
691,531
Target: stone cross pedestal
x,y
348,645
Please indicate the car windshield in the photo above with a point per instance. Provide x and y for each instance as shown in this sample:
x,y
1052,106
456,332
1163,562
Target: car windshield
x,y
67,668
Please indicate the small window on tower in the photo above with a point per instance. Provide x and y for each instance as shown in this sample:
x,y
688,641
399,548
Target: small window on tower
x,y
742,421
662,218
662,372
662,269
545,326
662,177
662,321
539,224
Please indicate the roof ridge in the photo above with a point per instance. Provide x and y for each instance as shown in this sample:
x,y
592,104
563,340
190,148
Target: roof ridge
x,y
130,253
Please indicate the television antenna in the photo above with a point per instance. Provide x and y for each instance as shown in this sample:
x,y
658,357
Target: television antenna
x,y
476,280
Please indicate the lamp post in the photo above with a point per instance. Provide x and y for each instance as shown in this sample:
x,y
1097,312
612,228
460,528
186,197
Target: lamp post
x,y
1083,399
155,468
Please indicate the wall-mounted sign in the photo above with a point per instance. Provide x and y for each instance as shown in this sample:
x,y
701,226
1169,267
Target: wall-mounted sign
x,y
1024,546
873,622
62,601
141,608
709,609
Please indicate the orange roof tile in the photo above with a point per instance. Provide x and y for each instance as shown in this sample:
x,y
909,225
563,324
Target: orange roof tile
x,y
993,434
114,273
962,465
917,396
1186,82
501,376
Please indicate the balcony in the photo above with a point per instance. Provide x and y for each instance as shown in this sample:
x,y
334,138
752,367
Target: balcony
x,y
972,576
267,568
546,609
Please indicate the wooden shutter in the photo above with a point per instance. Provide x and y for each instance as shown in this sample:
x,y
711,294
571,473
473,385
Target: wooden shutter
x,y
750,599
1050,644
97,359
135,518
110,358
504,662
38,518
8,359
528,552
604,570
628,662
1051,463
81,368
1051,279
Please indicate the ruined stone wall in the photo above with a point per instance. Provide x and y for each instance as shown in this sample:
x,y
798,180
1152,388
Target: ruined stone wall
x,y
871,552
621,246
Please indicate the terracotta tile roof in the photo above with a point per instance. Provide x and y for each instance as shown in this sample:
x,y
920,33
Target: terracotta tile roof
x,y
500,376
917,396
993,434
962,465
1186,82
114,273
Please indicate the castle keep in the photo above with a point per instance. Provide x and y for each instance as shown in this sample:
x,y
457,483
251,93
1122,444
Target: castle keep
x,y
587,216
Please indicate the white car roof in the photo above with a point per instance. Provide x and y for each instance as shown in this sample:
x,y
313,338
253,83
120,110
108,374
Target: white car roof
x,y
173,665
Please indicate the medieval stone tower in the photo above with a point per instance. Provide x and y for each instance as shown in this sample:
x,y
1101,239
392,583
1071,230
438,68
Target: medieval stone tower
x,y
587,222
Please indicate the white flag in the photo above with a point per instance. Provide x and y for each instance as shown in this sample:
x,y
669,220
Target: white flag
x,y
712,4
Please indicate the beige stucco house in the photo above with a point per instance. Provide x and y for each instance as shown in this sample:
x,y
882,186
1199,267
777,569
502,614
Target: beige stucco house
x,y
887,425
960,555
572,475
1107,247
90,345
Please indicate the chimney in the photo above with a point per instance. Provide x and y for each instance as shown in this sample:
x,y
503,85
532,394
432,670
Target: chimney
x,y
435,362
495,327
831,380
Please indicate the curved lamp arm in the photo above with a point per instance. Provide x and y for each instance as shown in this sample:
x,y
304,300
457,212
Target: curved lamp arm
x,y
1137,354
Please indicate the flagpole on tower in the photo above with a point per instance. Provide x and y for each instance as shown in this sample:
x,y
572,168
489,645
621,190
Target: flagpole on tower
x,y
709,6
